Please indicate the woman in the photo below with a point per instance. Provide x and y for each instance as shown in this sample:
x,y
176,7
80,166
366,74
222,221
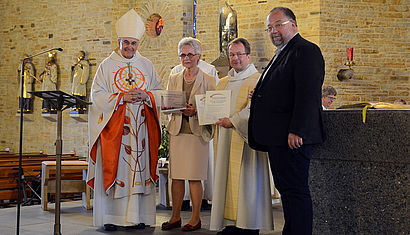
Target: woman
x,y
189,146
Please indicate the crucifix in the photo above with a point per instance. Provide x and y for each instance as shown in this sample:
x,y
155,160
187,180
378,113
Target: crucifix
x,y
130,80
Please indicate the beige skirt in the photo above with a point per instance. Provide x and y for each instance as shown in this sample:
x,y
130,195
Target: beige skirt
x,y
188,157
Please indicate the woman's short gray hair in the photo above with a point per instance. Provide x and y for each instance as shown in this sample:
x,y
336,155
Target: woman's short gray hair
x,y
193,42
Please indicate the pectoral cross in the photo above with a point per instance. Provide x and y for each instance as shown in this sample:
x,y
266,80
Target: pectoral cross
x,y
130,80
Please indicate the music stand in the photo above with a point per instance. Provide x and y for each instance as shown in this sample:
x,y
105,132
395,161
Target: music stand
x,y
58,99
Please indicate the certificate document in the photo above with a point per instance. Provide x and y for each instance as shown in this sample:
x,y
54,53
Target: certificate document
x,y
200,109
172,101
215,105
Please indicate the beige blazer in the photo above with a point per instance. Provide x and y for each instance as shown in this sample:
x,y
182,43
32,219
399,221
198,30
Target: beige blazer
x,y
203,83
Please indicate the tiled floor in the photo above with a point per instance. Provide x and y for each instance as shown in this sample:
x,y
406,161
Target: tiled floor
x,y
75,220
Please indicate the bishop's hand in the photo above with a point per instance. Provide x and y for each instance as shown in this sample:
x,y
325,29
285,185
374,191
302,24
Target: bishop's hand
x,y
135,95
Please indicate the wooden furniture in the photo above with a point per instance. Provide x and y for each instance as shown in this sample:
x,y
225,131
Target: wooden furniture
x,y
31,166
68,184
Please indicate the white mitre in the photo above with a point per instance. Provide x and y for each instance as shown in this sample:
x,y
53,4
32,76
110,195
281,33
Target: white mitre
x,y
130,25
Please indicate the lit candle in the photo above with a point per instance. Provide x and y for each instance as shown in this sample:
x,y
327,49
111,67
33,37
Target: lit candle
x,y
350,54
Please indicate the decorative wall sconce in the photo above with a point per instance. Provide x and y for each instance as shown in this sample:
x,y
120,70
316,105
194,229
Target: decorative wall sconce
x,y
346,74
154,25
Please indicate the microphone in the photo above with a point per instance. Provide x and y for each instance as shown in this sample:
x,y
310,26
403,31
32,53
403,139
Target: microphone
x,y
53,49
20,172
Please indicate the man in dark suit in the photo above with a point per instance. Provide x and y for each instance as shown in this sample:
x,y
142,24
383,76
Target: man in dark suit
x,y
285,118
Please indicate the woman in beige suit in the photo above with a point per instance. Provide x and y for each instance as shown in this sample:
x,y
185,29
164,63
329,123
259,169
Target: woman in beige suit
x,y
189,147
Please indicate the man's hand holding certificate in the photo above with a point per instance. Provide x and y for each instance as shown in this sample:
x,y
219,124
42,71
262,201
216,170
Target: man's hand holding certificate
x,y
212,106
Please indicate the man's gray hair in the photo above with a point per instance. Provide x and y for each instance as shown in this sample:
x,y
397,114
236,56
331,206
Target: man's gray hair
x,y
328,90
193,42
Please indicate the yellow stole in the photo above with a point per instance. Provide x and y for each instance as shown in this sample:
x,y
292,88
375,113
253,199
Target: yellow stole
x,y
236,150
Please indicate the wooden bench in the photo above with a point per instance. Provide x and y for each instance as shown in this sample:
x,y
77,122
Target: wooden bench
x,y
31,166
68,185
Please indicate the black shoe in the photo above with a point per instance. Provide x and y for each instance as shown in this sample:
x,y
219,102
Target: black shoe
x,y
185,206
249,232
229,230
139,226
110,227
205,206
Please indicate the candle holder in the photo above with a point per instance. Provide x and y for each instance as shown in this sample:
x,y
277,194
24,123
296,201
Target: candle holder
x,y
349,61
346,74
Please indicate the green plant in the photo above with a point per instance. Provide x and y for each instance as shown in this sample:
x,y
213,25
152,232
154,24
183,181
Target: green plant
x,y
163,151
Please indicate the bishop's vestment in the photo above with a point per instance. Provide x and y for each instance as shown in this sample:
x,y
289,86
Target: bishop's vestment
x,y
123,140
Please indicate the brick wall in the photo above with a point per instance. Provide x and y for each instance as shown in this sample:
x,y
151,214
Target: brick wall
x,y
251,24
377,29
34,26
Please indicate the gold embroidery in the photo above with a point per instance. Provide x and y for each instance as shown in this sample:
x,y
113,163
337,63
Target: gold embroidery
x,y
100,119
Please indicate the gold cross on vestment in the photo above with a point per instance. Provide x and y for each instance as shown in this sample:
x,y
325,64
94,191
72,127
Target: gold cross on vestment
x,y
130,80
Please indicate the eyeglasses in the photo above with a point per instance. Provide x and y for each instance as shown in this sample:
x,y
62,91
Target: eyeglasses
x,y
190,55
127,43
276,26
231,55
332,98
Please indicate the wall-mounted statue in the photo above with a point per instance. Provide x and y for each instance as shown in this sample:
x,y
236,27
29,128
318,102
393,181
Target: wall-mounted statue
x,y
228,29
49,78
80,72
29,77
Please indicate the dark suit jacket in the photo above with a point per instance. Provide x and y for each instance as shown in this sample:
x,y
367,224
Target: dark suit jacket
x,y
288,100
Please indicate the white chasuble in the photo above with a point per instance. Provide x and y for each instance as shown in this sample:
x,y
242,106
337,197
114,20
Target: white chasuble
x,y
123,194
133,173
242,186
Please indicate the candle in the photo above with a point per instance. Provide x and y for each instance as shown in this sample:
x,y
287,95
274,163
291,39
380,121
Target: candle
x,y
350,54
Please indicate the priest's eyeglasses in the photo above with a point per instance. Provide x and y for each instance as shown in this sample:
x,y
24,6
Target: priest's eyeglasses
x,y
190,55
231,55
276,26
332,98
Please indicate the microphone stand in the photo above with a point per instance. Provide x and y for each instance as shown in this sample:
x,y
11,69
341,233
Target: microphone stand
x,y
20,171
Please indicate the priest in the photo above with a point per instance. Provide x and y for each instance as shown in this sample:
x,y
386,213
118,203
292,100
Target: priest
x,y
124,133
242,201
